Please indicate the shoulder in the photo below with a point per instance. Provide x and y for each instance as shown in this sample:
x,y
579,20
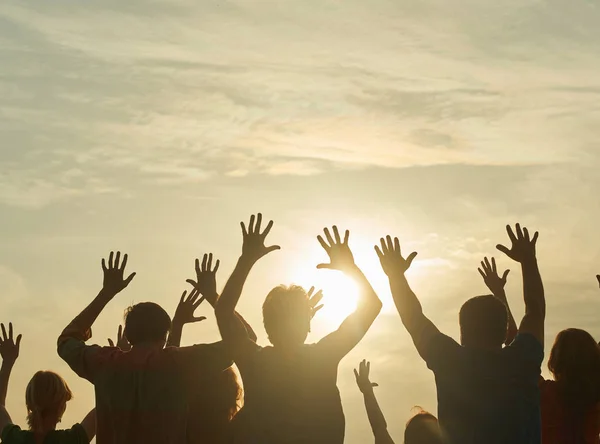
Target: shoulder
x,y
13,434
74,435
527,346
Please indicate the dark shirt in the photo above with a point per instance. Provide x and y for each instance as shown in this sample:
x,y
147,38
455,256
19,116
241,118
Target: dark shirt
x,y
142,396
488,396
12,434
290,398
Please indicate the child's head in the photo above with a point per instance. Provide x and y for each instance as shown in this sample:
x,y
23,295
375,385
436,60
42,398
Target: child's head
x,y
286,315
423,428
46,399
148,323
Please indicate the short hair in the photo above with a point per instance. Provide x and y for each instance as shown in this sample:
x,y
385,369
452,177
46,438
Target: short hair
x,y
483,320
46,396
146,322
286,313
422,428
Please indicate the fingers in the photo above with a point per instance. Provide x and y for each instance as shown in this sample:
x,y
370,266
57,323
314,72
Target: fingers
x,y
314,300
258,223
104,269
251,226
119,333
125,257
310,292
10,331
486,264
328,236
18,343
324,267
204,261
197,266
110,260
272,248
346,237
356,376
379,252
111,343
183,298
397,245
374,384
336,235
494,268
199,319
244,231
511,234
483,275
267,229
323,243
526,234
535,238
192,282
411,257
390,244
4,335
505,275
129,279
503,249
199,301
520,234
316,309
117,260
216,266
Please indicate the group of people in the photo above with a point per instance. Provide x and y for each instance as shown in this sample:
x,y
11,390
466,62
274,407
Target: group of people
x,y
151,390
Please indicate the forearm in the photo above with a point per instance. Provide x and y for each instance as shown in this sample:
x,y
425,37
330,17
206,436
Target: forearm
x,y
376,418
82,324
175,334
5,371
233,288
533,288
368,299
408,305
500,294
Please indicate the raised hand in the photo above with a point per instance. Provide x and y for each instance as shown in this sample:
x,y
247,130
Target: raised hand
x,y
390,256
362,377
254,241
313,301
9,348
206,278
186,308
114,280
122,341
340,255
489,273
523,246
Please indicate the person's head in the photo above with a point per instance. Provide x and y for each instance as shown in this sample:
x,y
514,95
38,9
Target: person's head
x,y
286,315
46,399
423,428
483,322
575,364
147,323
220,398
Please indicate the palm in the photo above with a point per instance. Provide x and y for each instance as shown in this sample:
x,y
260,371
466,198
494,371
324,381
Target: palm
x,y
522,245
253,247
491,278
206,278
114,273
340,255
9,348
184,314
362,376
390,256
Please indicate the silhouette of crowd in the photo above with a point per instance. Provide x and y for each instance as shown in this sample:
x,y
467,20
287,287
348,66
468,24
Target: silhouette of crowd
x,y
151,390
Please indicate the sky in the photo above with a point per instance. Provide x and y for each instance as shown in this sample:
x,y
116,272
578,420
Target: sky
x,y
155,127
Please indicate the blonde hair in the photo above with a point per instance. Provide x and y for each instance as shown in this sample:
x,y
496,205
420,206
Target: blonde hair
x,y
46,398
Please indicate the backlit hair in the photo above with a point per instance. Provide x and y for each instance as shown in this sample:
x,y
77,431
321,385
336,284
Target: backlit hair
x,y
46,397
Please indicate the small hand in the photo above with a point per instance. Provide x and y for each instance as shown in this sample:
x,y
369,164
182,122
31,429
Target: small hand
x,y
122,341
254,241
598,277
206,278
9,349
489,273
313,301
523,246
186,308
114,281
340,255
362,377
390,256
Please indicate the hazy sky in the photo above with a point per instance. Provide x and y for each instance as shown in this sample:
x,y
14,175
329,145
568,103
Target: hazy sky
x,y
154,127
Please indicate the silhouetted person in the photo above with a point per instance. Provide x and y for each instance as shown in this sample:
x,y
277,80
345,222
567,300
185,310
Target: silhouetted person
x,y
46,399
569,404
422,428
291,395
486,393
142,395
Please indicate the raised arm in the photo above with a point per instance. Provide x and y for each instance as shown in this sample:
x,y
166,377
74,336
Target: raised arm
x,y
9,350
71,343
206,283
231,327
89,424
523,251
376,418
420,328
354,328
185,315
495,283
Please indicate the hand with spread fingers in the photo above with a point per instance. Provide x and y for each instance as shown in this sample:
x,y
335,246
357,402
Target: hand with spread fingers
x,y
186,308
122,341
9,347
253,247
491,278
340,255
206,278
390,256
523,245
362,377
313,301
114,273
